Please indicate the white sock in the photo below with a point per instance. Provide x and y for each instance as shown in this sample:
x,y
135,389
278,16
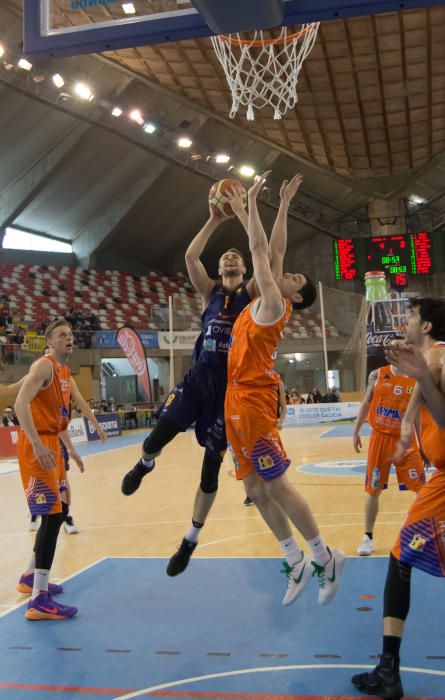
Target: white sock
x,y
291,550
41,577
32,565
193,533
319,550
148,463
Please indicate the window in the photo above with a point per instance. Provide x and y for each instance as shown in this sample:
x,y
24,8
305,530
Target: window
x,y
22,240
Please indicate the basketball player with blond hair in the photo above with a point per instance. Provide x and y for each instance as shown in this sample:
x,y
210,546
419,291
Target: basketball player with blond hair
x,y
42,407
250,412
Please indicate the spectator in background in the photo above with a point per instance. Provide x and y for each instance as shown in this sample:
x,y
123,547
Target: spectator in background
x,y
20,335
9,417
295,397
311,397
317,395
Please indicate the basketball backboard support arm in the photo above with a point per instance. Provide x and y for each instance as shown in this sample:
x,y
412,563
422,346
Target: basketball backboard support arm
x,y
39,40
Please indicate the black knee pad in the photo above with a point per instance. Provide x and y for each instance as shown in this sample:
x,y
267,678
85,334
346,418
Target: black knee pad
x,y
210,473
397,594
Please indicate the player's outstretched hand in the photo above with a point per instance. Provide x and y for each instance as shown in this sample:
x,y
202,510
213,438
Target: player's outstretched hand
x,y
407,359
254,191
44,455
290,188
237,200
356,441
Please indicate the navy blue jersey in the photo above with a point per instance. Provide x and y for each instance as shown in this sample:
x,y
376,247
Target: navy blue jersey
x,y
217,322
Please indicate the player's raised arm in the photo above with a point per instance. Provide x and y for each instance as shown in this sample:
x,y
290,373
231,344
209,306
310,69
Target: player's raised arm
x,y
364,410
38,376
278,239
271,298
196,270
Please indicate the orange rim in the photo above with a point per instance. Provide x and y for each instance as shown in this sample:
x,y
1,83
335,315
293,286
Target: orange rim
x,y
230,39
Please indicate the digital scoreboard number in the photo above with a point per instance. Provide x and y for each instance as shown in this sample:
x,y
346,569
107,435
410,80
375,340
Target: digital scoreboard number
x,y
391,254
398,256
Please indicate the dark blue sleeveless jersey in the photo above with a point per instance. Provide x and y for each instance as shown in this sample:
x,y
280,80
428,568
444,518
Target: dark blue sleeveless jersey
x,y
217,321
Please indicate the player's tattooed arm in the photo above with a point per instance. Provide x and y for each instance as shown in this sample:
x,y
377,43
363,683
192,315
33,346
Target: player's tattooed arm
x,y
364,410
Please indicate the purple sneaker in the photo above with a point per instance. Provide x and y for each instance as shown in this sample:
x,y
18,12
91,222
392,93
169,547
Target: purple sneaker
x,y
43,607
26,583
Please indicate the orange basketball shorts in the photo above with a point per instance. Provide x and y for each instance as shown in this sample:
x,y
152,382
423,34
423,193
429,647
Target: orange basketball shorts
x,y
42,487
410,471
421,540
251,427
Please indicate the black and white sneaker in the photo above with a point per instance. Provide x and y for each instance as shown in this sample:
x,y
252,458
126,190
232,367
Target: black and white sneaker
x,y
179,561
383,682
132,480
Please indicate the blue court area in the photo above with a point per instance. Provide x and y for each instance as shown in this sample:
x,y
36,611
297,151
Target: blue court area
x,y
346,430
217,631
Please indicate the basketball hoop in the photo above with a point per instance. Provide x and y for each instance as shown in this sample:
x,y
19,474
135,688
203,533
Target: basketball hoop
x,y
263,71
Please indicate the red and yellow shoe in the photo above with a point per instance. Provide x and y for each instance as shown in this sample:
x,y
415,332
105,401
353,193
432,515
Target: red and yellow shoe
x,y
43,607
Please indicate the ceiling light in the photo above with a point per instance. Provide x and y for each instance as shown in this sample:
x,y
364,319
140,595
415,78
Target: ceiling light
x,y
83,91
136,116
2,50
128,8
222,158
416,199
246,171
149,128
58,80
24,64
184,142
116,112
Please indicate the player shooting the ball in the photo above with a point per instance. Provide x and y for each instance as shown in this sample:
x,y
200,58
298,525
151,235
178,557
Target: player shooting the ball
x,y
199,398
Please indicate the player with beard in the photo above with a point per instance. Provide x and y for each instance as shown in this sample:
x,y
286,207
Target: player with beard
x,y
420,543
42,407
199,398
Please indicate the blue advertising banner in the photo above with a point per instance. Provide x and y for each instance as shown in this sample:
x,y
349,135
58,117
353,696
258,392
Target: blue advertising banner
x,y
110,423
107,339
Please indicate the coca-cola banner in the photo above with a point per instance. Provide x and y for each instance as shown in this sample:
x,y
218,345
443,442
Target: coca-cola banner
x,y
385,321
131,344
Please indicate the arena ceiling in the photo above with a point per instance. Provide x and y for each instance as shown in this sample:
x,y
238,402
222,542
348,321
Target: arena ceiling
x,y
370,123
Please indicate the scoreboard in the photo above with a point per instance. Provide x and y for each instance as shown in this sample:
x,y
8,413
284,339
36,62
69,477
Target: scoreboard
x,y
398,256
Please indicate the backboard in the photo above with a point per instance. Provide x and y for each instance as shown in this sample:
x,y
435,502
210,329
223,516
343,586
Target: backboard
x,y
70,27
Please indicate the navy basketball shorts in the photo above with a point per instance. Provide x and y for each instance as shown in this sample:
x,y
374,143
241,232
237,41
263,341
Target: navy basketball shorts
x,y
199,400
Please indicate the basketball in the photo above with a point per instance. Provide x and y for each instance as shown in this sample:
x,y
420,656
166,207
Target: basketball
x,y
219,199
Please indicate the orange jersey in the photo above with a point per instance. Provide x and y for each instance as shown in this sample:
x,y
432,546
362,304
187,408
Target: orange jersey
x,y
253,347
50,407
392,393
433,437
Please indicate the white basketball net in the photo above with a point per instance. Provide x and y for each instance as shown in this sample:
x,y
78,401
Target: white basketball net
x,y
261,73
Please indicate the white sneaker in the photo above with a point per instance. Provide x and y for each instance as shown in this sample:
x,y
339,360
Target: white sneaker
x,y
70,526
33,525
366,546
297,577
328,576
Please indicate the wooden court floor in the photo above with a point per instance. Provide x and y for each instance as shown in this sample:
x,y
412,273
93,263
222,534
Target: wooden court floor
x,y
152,522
